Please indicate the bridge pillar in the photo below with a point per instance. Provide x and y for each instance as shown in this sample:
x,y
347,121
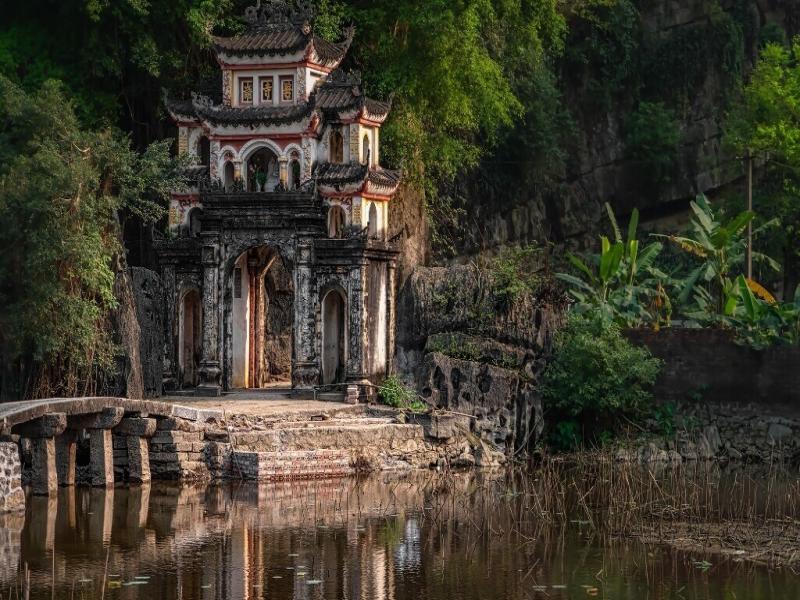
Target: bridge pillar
x,y
66,445
42,432
101,450
136,431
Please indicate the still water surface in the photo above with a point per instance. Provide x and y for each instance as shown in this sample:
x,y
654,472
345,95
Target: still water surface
x,y
423,537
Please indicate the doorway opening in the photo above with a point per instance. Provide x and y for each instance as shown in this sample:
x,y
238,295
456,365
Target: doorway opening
x,y
190,338
333,337
261,320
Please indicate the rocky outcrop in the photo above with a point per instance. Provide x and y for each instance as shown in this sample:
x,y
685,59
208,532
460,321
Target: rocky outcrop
x,y
138,325
470,354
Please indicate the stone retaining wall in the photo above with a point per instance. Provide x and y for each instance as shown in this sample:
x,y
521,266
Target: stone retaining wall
x,y
296,464
12,496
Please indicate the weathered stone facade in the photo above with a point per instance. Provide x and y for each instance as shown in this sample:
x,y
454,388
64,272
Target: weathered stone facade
x,y
12,497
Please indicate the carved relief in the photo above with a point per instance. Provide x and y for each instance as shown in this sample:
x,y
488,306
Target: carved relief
x,y
300,77
183,140
227,87
354,154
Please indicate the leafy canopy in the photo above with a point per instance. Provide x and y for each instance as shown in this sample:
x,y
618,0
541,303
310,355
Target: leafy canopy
x,y
61,188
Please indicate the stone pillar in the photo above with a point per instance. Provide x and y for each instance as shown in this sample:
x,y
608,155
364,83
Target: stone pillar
x,y
136,431
283,172
66,445
12,496
254,325
41,432
237,170
356,325
101,447
170,376
391,317
305,368
210,371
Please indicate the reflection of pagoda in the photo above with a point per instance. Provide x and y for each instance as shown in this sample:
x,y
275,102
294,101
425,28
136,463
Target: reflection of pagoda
x,y
279,267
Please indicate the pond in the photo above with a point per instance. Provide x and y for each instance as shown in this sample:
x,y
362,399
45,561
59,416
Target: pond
x,y
424,536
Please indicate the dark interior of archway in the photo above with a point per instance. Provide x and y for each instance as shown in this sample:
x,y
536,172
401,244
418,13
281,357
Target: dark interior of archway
x,y
272,299
262,168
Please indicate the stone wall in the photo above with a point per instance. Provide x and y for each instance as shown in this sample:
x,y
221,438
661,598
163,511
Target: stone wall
x,y
707,365
12,497
731,402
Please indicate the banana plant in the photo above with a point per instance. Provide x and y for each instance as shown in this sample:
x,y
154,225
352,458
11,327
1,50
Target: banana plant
x,y
614,286
720,247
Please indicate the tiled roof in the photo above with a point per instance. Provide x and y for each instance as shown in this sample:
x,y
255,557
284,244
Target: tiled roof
x,y
385,177
265,42
267,115
337,174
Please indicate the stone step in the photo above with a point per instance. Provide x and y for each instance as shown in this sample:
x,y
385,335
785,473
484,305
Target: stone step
x,y
293,464
330,435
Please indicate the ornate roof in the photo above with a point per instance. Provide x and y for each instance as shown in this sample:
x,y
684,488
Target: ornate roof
x,y
340,94
348,178
220,114
278,27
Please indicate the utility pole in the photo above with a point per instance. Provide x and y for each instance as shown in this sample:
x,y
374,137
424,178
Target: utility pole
x,y
749,166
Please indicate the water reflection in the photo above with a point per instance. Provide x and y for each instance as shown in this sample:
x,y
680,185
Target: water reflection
x,y
382,538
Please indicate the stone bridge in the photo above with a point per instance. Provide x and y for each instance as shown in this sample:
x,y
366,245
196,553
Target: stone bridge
x,y
44,436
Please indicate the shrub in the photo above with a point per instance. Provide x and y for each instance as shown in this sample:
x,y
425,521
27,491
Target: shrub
x,y
596,379
393,392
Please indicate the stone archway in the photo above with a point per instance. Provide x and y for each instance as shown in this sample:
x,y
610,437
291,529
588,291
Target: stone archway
x,y
190,338
260,319
333,337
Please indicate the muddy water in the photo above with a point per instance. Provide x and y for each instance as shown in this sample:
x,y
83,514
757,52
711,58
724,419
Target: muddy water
x,y
425,537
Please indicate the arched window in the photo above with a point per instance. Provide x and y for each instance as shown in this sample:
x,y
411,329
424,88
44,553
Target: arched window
x,y
335,222
294,170
365,149
194,222
227,176
336,150
204,151
372,224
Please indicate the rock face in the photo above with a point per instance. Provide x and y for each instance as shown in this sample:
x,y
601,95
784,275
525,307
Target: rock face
x,y
513,209
470,355
138,323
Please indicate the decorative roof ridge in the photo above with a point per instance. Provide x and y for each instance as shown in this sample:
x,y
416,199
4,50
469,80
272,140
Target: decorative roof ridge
x,y
274,15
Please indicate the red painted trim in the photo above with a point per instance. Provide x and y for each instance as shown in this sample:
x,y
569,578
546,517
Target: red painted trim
x,y
381,197
289,65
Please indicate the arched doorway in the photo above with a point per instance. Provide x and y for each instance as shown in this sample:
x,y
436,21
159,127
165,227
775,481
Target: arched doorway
x,y
336,150
365,149
294,173
194,224
262,171
333,337
190,338
259,320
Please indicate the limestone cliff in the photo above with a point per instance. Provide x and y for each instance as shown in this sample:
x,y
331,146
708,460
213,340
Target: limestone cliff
x,y
683,43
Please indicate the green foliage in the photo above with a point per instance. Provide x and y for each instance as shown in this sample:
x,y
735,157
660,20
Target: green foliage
x,y
622,284
677,65
61,188
516,271
393,392
709,293
652,137
597,378
602,49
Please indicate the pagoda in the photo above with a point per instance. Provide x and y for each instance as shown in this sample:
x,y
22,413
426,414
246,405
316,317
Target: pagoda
x,y
278,267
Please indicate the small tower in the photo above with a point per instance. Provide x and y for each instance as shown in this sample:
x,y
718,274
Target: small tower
x,y
278,266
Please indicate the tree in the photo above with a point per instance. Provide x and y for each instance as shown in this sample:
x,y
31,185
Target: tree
x,y
61,187
766,122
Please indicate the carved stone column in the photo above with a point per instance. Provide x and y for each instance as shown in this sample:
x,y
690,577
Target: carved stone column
x,y
253,324
391,317
283,166
305,369
210,364
170,376
356,329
